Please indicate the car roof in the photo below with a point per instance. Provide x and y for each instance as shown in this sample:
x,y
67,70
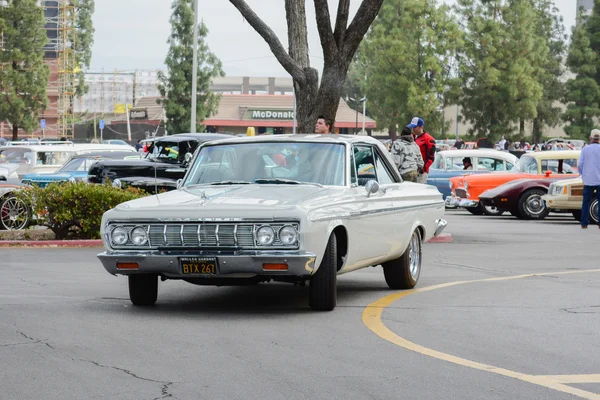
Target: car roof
x,y
37,147
553,154
107,154
181,137
299,137
477,153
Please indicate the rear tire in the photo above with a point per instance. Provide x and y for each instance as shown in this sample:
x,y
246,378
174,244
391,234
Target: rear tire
x,y
143,289
404,272
323,284
594,212
531,205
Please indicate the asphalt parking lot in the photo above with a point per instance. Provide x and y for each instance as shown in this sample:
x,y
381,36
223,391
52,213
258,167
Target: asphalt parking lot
x,y
509,310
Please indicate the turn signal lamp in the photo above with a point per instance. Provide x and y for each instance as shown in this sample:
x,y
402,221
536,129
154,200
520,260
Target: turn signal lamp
x,y
275,267
127,266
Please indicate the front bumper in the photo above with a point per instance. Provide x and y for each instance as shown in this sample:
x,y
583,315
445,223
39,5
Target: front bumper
x,y
440,225
240,265
453,201
561,203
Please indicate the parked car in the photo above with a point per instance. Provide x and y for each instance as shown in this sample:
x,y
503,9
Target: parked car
x,y
466,189
45,158
8,172
290,208
76,169
567,196
449,163
522,198
159,170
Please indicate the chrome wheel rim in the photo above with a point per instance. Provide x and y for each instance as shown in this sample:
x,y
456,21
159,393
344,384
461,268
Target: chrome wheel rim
x,y
594,210
534,205
415,256
13,214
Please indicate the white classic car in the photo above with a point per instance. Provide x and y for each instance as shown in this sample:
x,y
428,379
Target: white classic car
x,y
566,195
290,208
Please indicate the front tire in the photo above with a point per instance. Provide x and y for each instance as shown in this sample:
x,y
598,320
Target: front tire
x,y
143,289
531,205
404,272
323,284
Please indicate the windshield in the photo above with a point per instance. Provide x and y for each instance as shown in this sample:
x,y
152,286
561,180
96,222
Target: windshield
x,y
16,156
79,164
276,163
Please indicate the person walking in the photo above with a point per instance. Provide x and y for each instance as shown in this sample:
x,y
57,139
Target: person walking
x,y
407,156
426,144
589,169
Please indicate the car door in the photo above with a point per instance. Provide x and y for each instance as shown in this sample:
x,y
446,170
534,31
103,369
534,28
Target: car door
x,y
369,224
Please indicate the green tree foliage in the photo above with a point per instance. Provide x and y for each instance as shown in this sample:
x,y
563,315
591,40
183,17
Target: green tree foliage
x,y
550,27
23,74
176,85
407,59
500,63
583,93
84,39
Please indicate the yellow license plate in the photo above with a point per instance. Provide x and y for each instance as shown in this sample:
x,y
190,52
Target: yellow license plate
x,y
198,266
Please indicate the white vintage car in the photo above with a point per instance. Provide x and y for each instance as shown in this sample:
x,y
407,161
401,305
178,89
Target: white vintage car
x,y
290,208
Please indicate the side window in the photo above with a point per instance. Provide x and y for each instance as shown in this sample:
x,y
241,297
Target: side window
x,y
490,164
528,165
365,164
383,173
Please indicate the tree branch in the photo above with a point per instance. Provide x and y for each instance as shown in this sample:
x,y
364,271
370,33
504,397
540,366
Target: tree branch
x,y
269,36
330,49
341,22
295,12
359,26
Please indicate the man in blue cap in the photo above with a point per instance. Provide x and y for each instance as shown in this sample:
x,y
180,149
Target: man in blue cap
x,y
426,143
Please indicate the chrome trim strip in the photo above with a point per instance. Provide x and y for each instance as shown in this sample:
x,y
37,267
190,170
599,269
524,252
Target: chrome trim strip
x,y
217,234
165,235
181,235
198,234
235,239
386,210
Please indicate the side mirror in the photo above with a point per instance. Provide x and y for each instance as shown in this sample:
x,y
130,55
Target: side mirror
x,y
179,183
372,187
188,158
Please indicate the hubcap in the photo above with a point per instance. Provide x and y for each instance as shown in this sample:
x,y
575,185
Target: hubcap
x,y
13,214
535,205
415,256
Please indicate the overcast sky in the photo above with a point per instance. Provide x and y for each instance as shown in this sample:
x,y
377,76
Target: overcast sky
x,y
132,34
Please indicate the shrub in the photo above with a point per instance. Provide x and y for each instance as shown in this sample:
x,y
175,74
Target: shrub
x,y
74,209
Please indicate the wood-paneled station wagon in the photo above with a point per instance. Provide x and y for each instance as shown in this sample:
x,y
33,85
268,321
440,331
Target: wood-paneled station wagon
x,y
291,208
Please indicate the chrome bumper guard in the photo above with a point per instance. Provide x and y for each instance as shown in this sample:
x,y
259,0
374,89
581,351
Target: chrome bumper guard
x,y
459,202
246,264
440,225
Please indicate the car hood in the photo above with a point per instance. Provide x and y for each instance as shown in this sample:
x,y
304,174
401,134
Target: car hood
x,y
570,182
235,201
59,176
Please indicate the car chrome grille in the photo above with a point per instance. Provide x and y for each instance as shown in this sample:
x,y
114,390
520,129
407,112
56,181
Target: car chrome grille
x,y
461,193
208,235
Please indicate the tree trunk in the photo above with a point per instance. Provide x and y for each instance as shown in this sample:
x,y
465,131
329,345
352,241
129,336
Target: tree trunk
x,y
393,134
305,101
15,136
522,127
536,134
330,92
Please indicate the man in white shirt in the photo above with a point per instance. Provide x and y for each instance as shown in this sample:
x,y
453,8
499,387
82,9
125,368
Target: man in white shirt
x,y
589,169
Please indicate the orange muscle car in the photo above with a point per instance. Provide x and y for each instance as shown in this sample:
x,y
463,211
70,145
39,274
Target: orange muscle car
x,y
550,164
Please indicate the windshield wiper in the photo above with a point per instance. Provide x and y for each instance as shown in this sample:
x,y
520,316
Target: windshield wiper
x,y
231,183
285,181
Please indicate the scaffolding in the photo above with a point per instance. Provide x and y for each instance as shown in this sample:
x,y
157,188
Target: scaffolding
x,y
60,56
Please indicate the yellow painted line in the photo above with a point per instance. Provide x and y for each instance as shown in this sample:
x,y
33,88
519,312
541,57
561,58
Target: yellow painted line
x,y
372,319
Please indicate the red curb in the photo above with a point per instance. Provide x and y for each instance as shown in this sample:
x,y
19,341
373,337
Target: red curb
x,y
51,243
443,238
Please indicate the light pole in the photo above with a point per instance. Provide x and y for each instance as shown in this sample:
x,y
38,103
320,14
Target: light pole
x,y
195,69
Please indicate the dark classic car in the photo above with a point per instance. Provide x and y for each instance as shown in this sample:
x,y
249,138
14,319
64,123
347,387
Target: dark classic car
x,y
159,171
521,197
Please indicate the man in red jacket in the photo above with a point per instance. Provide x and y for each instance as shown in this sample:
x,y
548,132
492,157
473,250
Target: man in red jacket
x,y
426,143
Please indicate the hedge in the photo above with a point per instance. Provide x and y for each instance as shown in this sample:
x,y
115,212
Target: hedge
x,y
73,210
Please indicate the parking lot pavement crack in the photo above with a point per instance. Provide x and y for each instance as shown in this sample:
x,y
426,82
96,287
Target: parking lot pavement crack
x,y
164,388
582,310
33,340
471,267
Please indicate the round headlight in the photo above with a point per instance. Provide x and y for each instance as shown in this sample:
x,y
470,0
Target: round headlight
x,y
288,235
117,183
119,236
265,235
139,236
